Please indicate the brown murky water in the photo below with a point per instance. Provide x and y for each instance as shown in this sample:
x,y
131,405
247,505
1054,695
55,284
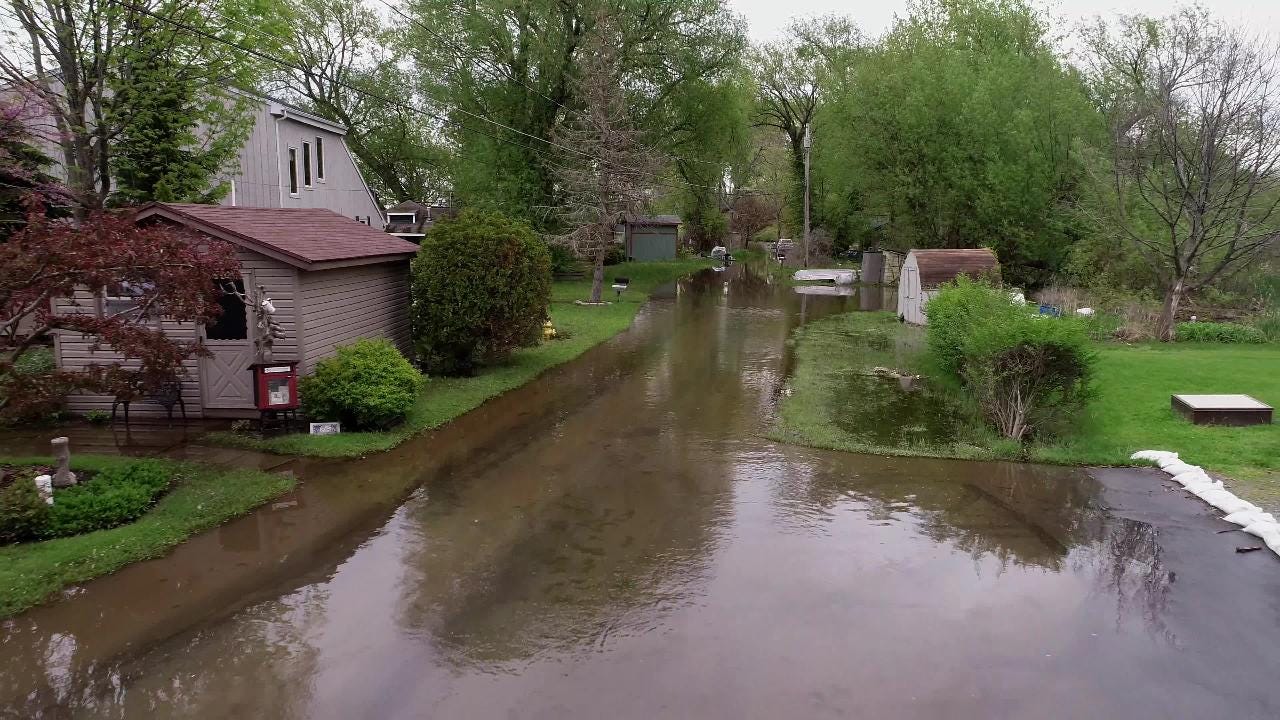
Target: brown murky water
x,y
615,540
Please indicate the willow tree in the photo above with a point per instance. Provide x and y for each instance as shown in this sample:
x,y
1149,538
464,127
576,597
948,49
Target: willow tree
x,y
1194,186
604,170
348,67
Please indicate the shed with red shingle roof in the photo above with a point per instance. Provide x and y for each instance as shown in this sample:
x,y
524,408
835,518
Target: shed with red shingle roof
x,y
332,280
924,270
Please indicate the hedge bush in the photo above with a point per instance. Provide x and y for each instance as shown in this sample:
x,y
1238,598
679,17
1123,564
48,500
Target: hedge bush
x,y
23,513
481,286
367,385
1027,372
953,314
108,498
1218,333
113,496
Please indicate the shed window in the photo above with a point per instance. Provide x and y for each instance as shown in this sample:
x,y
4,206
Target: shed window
x,y
293,171
122,301
233,322
306,164
320,158
405,218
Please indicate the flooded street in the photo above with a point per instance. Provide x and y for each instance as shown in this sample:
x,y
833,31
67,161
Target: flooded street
x,y
616,540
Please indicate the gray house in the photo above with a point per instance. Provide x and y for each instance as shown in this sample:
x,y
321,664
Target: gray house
x,y
332,280
649,237
293,159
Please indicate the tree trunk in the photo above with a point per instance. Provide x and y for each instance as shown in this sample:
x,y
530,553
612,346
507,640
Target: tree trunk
x,y
597,276
1169,313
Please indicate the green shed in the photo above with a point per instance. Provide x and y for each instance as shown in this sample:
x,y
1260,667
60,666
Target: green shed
x,y
650,237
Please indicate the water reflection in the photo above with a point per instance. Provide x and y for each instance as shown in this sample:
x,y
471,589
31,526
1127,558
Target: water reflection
x,y
639,551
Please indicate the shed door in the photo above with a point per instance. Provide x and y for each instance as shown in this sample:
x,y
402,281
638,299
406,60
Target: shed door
x,y
225,379
653,243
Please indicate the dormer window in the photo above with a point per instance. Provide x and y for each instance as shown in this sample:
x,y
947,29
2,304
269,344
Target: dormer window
x,y
402,218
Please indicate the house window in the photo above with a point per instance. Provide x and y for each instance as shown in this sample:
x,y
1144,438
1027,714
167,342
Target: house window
x,y
122,301
401,218
320,158
293,171
233,322
306,164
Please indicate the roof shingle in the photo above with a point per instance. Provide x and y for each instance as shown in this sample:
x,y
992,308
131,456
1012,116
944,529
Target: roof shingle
x,y
307,235
939,266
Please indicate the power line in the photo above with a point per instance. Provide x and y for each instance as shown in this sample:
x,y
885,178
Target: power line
x,y
461,56
404,106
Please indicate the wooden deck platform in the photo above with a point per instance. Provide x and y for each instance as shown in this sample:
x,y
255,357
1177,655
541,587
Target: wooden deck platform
x,y
1222,409
840,276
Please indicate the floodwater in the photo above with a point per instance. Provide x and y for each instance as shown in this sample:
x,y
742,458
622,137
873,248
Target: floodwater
x,y
616,540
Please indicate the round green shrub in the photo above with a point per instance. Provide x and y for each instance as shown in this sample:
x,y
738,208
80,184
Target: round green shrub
x,y
481,285
954,312
23,513
113,496
367,385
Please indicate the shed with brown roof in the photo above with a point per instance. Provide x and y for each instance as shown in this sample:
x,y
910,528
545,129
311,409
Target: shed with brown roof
x,y
332,280
924,270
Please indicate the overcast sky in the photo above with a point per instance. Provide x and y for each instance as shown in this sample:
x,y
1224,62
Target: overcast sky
x,y
768,17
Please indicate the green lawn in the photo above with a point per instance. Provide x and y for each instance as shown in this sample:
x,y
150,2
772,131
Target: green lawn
x,y
202,497
835,403
444,399
1131,411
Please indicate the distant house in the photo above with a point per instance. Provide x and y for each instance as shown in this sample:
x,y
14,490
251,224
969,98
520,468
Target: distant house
x,y
924,270
332,280
649,237
411,220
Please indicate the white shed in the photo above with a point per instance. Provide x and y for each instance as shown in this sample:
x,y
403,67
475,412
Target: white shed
x,y
924,270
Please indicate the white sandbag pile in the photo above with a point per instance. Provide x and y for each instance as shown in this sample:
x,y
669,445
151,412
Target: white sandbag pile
x,y
1196,481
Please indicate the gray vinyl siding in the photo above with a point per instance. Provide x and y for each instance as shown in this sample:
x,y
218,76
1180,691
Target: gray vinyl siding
x,y
345,304
262,179
280,282
74,351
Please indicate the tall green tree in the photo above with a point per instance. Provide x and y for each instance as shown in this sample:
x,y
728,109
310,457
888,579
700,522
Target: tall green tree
x,y
504,74
82,58
179,138
794,76
963,128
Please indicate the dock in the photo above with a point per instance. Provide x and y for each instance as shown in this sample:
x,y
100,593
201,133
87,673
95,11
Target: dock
x,y
840,276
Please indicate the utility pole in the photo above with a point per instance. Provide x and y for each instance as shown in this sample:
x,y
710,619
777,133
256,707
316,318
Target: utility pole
x,y
808,142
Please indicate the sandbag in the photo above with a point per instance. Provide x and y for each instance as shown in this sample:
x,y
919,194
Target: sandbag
x,y
1177,467
1154,456
1191,476
1167,460
1244,518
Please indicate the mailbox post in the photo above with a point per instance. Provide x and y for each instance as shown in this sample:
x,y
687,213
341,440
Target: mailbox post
x,y
275,390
